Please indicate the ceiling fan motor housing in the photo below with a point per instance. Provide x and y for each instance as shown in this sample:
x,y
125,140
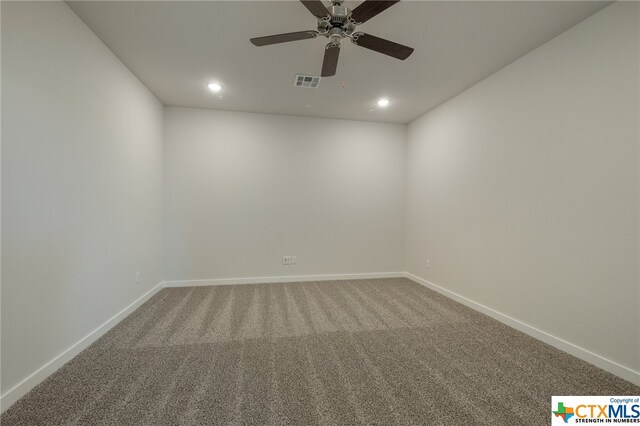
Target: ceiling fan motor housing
x,y
338,25
339,14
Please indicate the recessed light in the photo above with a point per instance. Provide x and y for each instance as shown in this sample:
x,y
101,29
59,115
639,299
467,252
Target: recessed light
x,y
383,102
215,87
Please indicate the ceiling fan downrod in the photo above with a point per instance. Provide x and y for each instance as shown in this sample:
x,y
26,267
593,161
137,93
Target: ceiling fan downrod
x,y
337,24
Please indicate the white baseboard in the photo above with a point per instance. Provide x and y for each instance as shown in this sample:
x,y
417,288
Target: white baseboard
x,y
585,355
283,279
19,390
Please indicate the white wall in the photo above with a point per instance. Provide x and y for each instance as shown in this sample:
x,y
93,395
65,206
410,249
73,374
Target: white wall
x,y
81,185
242,190
523,191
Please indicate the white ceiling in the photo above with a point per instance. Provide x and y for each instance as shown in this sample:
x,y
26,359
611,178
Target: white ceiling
x,y
176,48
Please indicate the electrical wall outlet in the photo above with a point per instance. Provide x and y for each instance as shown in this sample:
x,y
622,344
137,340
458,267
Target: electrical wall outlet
x,y
427,264
137,278
289,260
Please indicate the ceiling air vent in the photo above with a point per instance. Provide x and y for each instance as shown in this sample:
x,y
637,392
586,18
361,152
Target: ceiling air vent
x,y
308,81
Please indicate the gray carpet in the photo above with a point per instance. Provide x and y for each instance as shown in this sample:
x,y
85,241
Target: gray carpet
x,y
345,352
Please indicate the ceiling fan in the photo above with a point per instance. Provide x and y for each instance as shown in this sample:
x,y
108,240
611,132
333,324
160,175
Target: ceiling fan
x,y
339,22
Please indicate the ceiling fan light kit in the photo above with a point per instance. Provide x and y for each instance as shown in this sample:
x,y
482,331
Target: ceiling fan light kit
x,y
337,23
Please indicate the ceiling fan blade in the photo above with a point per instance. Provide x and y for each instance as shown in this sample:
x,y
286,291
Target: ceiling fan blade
x,y
383,46
316,7
330,62
370,8
283,38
